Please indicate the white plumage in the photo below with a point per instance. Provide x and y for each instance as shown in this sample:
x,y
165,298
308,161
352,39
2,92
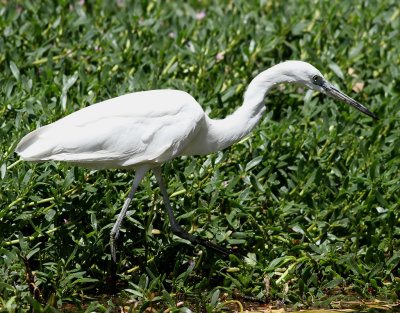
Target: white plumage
x,y
142,130
122,132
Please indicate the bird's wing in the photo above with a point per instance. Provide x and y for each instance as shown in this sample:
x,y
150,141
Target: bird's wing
x,y
144,127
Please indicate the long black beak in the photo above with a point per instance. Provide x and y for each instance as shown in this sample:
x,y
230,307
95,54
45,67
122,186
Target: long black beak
x,y
337,94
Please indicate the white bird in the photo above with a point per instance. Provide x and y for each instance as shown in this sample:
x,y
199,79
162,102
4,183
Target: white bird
x,y
143,130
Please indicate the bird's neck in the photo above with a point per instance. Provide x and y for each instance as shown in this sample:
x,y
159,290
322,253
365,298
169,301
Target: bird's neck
x,y
216,135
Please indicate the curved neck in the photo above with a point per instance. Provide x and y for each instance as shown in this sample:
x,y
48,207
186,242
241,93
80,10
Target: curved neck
x,y
216,135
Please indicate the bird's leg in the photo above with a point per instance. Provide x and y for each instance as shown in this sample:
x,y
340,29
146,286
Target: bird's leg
x,y
140,173
178,230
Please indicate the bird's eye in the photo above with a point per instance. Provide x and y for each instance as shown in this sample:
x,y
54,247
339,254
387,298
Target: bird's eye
x,y
315,79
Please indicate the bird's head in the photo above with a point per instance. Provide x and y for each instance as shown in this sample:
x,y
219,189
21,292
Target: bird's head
x,y
305,74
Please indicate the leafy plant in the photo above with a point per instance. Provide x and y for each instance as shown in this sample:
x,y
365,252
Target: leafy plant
x,y
311,196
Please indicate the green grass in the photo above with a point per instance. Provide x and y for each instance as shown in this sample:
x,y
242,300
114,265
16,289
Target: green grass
x,y
312,194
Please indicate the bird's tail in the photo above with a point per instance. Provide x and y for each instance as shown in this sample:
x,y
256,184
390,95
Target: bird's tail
x,y
34,147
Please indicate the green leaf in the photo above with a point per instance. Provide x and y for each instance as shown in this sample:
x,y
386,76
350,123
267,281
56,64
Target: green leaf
x,y
394,260
168,297
135,292
229,94
143,282
372,169
36,305
301,286
215,297
50,215
86,280
3,170
14,70
27,177
254,162
68,82
336,69
69,179
356,51
23,243
333,283
354,266
278,262
32,253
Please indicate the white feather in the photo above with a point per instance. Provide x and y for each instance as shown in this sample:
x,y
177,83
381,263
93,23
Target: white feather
x,y
121,132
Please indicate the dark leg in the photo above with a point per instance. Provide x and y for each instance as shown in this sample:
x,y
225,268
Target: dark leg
x,y
140,172
178,230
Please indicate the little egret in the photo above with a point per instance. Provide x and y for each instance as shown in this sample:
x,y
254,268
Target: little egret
x,y
143,130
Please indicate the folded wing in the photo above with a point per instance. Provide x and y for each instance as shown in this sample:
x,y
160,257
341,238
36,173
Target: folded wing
x,y
149,127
